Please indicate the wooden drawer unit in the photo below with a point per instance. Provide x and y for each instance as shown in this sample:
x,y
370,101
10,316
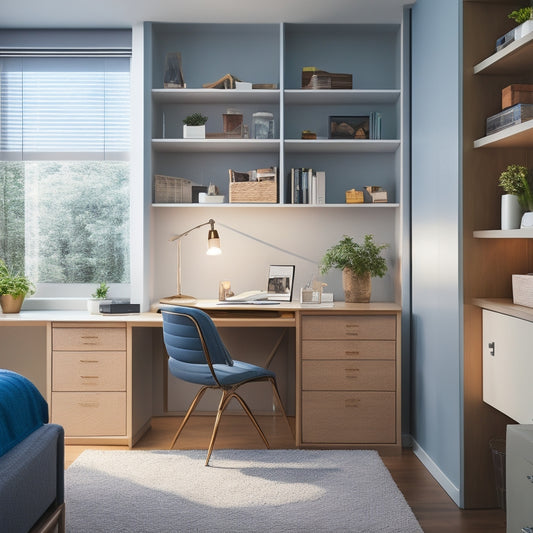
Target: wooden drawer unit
x,y
89,380
349,380
90,414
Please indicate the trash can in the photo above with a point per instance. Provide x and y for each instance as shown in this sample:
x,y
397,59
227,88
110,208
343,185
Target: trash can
x,y
497,448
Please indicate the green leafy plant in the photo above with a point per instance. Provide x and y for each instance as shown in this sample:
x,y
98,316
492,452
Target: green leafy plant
x,y
196,119
101,291
13,283
520,15
360,258
516,179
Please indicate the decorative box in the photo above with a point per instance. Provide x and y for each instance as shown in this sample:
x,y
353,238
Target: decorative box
x,y
517,93
509,117
354,197
523,289
169,190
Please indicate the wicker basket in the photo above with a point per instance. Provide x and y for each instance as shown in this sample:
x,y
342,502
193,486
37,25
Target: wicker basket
x,y
523,289
169,190
262,191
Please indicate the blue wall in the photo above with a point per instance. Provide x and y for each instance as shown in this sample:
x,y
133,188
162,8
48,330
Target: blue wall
x,y
436,424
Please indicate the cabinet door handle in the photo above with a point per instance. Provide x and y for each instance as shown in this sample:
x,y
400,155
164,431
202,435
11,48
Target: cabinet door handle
x,y
351,402
351,373
492,347
347,352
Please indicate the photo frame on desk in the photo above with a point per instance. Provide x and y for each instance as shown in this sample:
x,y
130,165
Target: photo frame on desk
x,y
280,282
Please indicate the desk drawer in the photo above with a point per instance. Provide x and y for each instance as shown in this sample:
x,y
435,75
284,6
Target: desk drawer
x,y
72,339
348,349
89,371
339,417
349,375
349,327
89,414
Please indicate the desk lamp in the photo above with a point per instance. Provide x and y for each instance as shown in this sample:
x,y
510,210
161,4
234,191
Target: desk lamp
x,y
213,248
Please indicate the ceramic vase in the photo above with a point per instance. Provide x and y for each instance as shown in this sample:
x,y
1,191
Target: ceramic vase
x,y
511,212
527,220
357,289
193,132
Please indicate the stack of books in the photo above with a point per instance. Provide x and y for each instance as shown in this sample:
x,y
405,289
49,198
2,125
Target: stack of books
x,y
375,125
307,186
313,78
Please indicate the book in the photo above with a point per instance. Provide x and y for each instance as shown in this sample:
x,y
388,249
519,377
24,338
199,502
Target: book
x,y
302,186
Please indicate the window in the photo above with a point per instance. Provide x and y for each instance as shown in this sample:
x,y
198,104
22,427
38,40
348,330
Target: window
x,y
64,170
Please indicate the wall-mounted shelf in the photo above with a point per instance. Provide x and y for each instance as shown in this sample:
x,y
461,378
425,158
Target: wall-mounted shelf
x,y
292,206
341,146
215,96
351,97
524,233
518,136
215,145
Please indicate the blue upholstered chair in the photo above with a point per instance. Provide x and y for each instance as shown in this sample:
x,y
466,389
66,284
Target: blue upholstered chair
x,y
198,355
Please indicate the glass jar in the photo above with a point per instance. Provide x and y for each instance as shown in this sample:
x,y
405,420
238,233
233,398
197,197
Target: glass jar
x,y
263,125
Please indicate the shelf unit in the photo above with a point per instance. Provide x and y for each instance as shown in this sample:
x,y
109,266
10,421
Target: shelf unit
x,y
211,50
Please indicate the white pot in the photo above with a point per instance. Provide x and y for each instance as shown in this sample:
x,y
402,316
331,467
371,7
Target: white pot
x,y
522,30
93,305
193,132
527,220
511,212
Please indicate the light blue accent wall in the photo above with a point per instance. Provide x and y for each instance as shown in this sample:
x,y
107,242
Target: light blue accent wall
x,y
436,423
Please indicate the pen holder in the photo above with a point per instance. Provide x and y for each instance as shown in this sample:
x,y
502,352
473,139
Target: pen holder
x,y
310,296
224,290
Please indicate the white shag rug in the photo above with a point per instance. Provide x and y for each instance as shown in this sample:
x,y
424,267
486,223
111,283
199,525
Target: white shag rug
x,y
132,491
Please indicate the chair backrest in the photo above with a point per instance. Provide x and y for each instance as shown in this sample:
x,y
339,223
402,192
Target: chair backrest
x,y
191,336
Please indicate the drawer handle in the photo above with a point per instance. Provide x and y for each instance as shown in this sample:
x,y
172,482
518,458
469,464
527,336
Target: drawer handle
x,y
352,325
351,373
347,352
88,361
351,402
89,343
88,404
352,333
89,377
89,336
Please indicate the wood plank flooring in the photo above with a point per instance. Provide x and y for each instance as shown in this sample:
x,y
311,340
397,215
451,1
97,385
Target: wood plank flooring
x,y
434,509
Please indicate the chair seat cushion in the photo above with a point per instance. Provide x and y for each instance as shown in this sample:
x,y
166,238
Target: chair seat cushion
x,y
226,375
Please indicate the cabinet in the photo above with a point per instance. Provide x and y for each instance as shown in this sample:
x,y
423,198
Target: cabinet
x,y
350,389
507,365
275,54
519,478
89,376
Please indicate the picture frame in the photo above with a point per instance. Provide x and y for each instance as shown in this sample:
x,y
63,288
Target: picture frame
x,y
280,282
349,127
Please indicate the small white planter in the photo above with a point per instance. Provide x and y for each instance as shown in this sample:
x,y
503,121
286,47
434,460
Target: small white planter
x,y
522,30
193,132
527,220
511,212
93,305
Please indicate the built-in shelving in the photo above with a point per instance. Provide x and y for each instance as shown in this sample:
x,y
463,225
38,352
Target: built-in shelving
x,y
523,233
517,136
351,97
208,96
292,206
215,145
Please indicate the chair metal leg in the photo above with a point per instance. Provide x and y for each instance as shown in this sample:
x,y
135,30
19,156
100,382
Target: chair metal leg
x,y
251,417
224,400
279,402
193,405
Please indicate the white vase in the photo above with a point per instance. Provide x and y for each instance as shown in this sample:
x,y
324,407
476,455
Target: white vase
x,y
511,212
193,132
527,220
93,305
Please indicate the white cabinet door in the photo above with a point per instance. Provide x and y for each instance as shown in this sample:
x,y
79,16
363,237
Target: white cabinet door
x,y
508,365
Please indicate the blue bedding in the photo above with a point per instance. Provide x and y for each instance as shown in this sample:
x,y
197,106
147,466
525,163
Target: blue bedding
x,y
22,409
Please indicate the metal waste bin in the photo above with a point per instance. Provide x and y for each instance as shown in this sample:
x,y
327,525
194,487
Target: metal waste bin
x,y
497,448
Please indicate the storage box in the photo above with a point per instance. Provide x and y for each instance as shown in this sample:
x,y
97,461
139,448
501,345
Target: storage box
x,y
517,94
375,195
313,78
354,197
170,190
523,289
261,190
509,117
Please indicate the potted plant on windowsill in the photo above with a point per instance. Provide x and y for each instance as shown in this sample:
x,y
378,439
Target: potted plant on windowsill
x,y
98,297
515,180
194,126
359,264
13,289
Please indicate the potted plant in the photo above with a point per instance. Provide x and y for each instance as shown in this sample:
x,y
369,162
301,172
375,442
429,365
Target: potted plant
x,y
13,289
515,180
98,297
359,264
194,126
523,18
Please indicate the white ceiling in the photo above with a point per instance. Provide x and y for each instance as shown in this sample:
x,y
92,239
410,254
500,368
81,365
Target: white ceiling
x,y
127,13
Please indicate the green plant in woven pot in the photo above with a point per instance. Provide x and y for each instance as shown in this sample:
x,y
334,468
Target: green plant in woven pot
x,y
359,263
14,287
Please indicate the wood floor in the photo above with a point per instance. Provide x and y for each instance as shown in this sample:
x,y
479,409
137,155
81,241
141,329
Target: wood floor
x,y
435,511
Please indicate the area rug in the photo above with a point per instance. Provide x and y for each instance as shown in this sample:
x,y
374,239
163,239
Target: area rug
x,y
242,490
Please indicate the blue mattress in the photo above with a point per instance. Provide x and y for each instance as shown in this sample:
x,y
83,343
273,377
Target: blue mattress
x,y
22,409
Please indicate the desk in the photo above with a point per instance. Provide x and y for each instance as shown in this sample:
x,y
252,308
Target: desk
x,y
347,370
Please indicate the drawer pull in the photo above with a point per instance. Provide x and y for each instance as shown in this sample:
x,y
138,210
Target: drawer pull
x,y
351,373
88,361
89,336
352,325
88,404
348,352
351,402
89,377
352,333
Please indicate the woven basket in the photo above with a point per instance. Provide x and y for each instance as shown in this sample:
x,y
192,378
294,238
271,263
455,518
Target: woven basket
x,y
169,190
